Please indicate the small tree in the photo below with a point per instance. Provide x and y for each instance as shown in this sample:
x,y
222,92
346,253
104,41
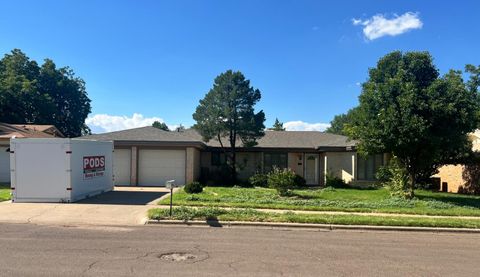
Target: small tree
x,y
277,126
408,110
227,113
160,125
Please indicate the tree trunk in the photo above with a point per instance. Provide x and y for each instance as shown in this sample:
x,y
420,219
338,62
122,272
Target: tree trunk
x,y
233,155
411,186
234,166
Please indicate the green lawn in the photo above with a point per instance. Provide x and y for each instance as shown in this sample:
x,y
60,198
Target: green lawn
x,y
329,199
212,213
4,192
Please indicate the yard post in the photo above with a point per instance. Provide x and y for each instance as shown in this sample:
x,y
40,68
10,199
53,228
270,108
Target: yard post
x,y
171,200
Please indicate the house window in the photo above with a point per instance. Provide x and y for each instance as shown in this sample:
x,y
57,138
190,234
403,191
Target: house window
x,y
218,159
368,167
271,160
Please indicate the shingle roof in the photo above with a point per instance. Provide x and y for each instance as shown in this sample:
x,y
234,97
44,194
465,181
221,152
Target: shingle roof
x,y
49,129
8,131
298,139
272,139
148,133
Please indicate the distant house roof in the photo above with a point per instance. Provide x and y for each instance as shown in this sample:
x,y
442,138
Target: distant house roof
x,y
8,131
149,135
272,139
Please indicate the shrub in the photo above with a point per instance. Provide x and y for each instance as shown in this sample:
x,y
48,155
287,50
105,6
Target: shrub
x,y
283,180
300,181
259,180
396,178
194,187
335,182
217,177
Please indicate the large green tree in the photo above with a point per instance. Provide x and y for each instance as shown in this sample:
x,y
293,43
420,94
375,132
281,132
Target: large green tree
x,y
423,119
44,94
227,114
342,122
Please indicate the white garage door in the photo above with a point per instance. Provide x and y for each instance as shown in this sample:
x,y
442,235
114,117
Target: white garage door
x,y
157,166
4,165
121,167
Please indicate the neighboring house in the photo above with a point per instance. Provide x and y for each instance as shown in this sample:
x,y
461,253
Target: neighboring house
x,y
7,131
149,156
453,178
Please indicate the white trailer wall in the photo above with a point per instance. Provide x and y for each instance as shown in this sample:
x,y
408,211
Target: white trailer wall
x,y
85,187
39,170
52,170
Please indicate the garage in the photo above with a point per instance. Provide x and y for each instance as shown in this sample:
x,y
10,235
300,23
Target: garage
x,y
157,166
122,166
4,165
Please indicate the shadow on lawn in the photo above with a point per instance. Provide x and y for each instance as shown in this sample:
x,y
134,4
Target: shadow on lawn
x,y
461,201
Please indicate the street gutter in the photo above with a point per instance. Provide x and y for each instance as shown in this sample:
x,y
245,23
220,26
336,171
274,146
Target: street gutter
x,y
331,227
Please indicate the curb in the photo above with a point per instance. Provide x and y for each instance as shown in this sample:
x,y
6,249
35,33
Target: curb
x,y
330,227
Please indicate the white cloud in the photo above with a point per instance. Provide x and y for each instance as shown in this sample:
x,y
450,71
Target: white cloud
x,y
379,25
305,126
109,123
356,21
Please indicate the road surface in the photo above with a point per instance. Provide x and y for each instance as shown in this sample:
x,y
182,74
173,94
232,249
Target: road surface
x,y
35,250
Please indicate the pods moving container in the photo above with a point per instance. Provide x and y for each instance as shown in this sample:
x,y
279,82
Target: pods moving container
x,y
59,170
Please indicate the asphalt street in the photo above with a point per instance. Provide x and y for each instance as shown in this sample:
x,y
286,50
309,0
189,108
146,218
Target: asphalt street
x,y
39,250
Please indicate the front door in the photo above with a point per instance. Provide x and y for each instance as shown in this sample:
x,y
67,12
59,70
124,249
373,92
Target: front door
x,y
311,169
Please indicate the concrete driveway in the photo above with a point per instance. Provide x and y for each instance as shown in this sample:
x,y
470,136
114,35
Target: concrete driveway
x,y
123,206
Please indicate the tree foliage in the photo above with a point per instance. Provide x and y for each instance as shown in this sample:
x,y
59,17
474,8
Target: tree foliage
x,y
44,94
160,125
227,113
277,126
409,110
342,122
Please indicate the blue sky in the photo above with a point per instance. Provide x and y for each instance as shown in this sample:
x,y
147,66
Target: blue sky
x,y
157,59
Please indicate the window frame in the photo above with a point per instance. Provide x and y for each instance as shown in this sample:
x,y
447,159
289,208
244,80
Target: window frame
x,y
278,160
369,161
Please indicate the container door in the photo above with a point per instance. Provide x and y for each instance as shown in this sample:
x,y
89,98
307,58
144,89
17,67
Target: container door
x,y
41,172
4,164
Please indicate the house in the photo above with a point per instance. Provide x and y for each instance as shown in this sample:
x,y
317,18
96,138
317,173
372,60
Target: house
x,y
7,131
455,178
148,156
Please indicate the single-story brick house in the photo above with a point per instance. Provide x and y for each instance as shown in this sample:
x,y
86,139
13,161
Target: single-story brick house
x,y
148,156
7,131
454,178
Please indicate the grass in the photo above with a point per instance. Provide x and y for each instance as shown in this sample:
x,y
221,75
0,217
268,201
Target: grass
x,y
4,192
330,199
251,215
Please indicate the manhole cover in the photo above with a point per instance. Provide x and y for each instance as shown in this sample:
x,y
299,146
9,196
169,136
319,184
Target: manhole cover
x,y
178,257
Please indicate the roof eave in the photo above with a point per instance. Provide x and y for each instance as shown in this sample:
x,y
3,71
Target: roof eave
x,y
200,145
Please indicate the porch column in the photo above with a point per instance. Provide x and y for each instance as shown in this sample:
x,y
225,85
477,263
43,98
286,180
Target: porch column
x,y
134,166
353,167
189,165
325,169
